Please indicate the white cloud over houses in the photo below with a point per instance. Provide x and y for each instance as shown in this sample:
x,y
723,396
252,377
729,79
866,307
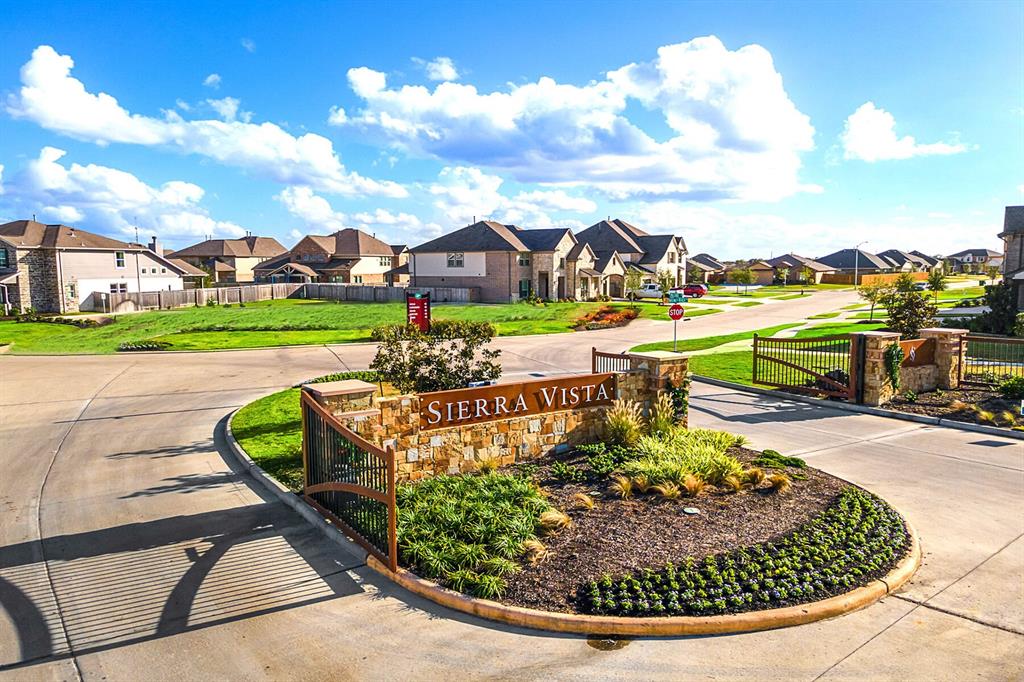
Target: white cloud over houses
x,y
319,217
111,199
439,69
51,97
733,131
212,81
869,134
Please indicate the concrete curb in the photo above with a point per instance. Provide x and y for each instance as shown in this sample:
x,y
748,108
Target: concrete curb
x,y
674,626
284,494
863,409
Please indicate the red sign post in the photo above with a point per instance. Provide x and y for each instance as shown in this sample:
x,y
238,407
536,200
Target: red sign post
x,y
417,310
675,311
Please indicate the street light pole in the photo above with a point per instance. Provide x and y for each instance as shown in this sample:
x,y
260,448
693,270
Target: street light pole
x,y
856,265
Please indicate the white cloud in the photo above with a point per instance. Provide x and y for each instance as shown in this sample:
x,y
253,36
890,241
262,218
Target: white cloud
x,y
227,108
1,179
463,194
939,215
211,81
182,104
111,199
1020,188
734,131
870,135
51,97
313,210
320,218
439,69
248,44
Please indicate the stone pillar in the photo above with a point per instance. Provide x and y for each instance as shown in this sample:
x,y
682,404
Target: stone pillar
x,y
352,402
949,354
877,388
662,369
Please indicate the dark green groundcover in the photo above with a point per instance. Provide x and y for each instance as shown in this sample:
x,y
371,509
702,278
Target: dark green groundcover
x,y
857,539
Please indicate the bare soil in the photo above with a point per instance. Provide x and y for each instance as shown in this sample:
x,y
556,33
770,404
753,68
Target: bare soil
x,y
968,404
619,536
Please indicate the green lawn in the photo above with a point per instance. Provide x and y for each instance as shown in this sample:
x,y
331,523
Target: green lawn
x,y
823,316
836,328
747,304
287,322
713,341
270,431
736,366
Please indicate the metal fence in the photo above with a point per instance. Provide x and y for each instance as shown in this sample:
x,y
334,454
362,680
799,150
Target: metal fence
x,y
608,362
350,481
827,365
989,360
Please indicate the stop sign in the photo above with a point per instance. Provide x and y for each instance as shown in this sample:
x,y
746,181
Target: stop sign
x,y
675,311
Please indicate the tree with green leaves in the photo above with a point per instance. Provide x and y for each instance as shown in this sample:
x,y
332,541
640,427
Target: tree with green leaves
x,y
742,276
450,355
666,280
781,275
634,280
910,311
936,282
905,282
696,274
992,271
873,293
807,275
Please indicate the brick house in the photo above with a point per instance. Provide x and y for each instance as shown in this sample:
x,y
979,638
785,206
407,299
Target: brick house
x,y
399,272
975,260
1013,251
230,260
639,251
908,261
348,256
850,260
797,267
706,268
62,269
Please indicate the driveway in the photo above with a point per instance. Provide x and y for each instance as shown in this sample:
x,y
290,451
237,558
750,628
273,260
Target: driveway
x,y
130,547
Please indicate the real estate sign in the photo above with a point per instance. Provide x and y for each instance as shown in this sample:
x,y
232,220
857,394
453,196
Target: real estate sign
x,y
459,407
417,310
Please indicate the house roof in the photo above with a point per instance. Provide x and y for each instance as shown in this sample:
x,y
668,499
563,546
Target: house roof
x,y
295,267
221,266
398,249
847,259
987,253
273,263
601,264
654,247
543,240
792,260
641,267
243,247
932,261
1013,220
352,242
187,269
760,265
334,265
631,229
32,234
607,236
402,269
707,260
589,272
484,235
8,275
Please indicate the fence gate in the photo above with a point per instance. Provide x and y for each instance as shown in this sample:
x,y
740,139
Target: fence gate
x,y
608,362
829,365
350,481
989,360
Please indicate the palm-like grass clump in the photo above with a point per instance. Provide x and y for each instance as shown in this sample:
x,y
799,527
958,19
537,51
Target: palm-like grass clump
x,y
672,456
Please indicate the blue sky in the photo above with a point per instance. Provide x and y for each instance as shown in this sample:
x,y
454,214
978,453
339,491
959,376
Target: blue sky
x,y
750,129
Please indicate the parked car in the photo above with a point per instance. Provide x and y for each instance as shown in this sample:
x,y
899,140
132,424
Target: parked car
x,y
648,290
921,286
693,290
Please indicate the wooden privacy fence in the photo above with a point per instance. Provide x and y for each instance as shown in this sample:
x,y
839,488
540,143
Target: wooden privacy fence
x,y
150,300
608,362
988,360
829,365
867,278
380,293
350,481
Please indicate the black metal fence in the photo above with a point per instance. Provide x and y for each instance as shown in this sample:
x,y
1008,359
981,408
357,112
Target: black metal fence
x,y
608,362
826,365
350,481
990,360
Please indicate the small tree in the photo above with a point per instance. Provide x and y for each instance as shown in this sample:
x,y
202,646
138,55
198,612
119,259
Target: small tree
x,y
451,355
782,274
936,282
633,281
992,271
807,275
742,276
909,311
666,280
1001,316
904,282
696,274
874,293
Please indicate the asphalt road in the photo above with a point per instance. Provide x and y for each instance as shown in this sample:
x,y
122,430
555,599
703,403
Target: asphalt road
x,y
130,548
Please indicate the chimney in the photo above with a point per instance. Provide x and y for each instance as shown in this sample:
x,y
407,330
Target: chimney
x,y
154,246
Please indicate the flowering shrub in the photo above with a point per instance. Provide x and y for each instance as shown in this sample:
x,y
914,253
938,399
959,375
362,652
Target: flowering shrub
x,y
855,540
606,317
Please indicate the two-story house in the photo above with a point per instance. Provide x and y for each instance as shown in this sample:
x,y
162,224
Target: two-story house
x,y
794,269
348,256
639,251
1013,251
230,260
975,260
62,269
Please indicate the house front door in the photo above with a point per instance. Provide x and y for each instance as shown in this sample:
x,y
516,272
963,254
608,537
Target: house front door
x,y
561,287
544,291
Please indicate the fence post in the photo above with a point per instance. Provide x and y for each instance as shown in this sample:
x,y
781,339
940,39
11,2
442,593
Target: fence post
x,y
389,453
753,378
593,360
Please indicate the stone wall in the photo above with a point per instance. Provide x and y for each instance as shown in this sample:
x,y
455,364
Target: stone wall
x,y
37,280
395,422
944,373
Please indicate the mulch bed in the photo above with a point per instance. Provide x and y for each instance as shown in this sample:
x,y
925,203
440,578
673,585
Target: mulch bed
x,y
620,536
956,404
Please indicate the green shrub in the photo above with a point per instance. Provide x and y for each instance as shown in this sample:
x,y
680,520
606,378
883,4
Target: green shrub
x,y
772,459
468,531
567,473
450,355
1012,388
624,423
681,452
663,415
855,540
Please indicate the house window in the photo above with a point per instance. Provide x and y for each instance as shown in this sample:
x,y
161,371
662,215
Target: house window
x,y
358,279
524,259
456,260
119,288
384,261
3,258
524,288
561,263
163,271
119,259
671,257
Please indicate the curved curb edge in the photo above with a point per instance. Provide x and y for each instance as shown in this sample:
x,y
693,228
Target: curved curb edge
x,y
750,621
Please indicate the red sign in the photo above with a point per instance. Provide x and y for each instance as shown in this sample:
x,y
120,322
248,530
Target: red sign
x,y
675,311
417,310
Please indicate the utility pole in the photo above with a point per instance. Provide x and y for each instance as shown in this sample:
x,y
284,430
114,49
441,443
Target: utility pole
x,y
856,264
